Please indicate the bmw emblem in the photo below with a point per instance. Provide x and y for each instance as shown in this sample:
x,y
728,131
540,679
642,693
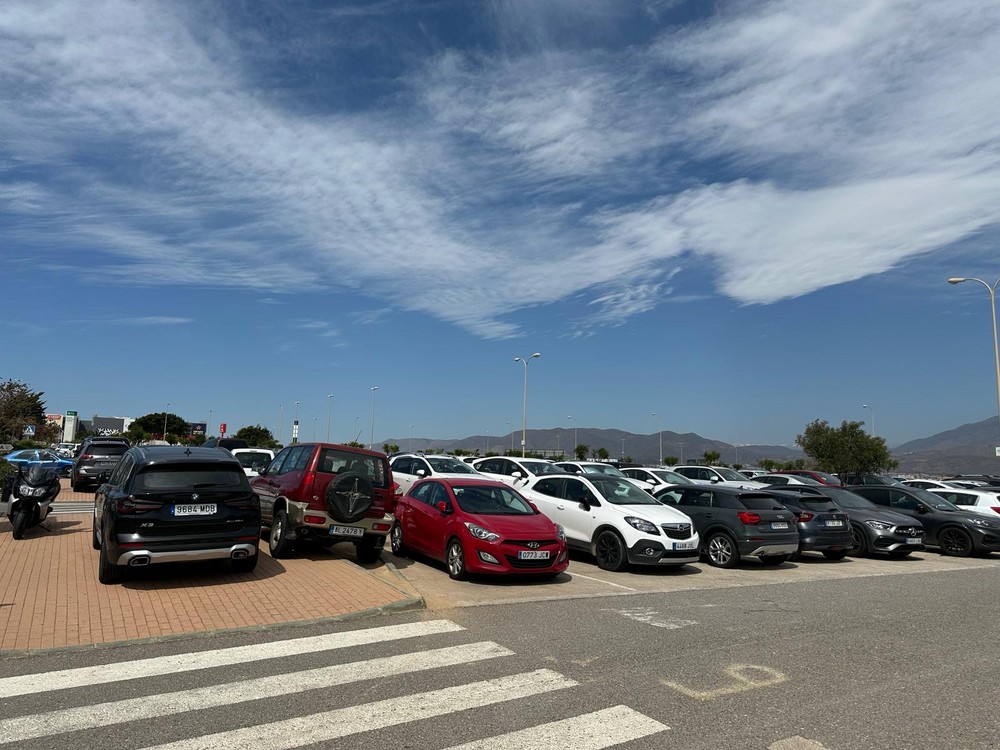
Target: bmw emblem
x,y
194,497
534,545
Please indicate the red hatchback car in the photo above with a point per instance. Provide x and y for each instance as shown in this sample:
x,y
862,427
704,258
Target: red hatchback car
x,y
477,526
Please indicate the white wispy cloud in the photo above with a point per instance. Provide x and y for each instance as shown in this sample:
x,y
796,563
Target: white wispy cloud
x,y
842,139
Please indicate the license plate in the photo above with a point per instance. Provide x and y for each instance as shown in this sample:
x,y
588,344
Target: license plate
x,y
915,540
346,531
200,509
685,545
533,554
834,523
779,525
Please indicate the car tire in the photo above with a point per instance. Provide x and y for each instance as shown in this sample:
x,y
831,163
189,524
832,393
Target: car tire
x,y
455,560
609,549
107,572
860,548
396,543
774,559
835,554
721,550
19,522
349,497
955,542
278,543
94,539
369,548
246,565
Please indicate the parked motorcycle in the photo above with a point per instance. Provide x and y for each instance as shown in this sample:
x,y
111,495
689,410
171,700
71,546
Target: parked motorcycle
x,y
27,496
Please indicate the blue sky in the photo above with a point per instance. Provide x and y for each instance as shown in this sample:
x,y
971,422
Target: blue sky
x,y
739,215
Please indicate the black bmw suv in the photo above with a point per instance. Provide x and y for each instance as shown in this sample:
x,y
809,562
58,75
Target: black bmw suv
x,y
164,504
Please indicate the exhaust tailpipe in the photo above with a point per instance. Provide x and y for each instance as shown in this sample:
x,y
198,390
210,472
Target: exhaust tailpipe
x,y
138,562
240,554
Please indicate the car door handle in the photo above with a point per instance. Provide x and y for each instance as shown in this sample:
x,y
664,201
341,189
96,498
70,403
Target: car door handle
x,y
561,507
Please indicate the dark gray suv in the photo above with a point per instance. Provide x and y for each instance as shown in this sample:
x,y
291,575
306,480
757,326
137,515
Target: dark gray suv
x,y
95,460
823,527
735,523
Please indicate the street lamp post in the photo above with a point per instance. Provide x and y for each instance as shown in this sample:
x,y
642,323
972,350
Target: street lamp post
x,y
165,422
659,423
993,310
411,438
575,443
314,428
371,445
866,406
357,432
295,424
281,420
524,401
329,414
209,425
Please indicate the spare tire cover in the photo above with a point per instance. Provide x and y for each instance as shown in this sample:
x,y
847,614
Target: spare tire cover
x,y
348,497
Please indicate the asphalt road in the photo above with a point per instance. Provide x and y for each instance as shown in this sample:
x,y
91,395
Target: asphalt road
x,y
903,660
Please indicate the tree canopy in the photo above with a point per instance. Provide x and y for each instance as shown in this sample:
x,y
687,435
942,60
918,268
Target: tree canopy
x,y
152,424
19,406
258,436
846,449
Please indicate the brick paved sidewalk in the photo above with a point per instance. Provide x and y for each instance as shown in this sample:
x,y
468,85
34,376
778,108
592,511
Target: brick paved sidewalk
x,y
50,596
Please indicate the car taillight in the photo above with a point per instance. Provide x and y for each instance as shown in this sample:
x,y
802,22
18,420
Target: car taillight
x,y
315,519
86,457
397,491
127,506
748,518
805,516
307,485
996,509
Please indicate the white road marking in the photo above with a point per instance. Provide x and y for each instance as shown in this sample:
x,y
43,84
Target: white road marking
x,y
329,725
652,617
741,682
23,728
594,731
796,743
601,580
188,662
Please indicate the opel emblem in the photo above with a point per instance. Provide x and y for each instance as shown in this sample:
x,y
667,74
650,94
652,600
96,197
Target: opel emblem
x,y
194,497
534,545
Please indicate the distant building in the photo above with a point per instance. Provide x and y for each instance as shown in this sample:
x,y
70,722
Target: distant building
x,y
110,425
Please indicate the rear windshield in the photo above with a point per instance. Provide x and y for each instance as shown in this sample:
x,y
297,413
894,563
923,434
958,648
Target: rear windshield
x,y
106,449
247,460
815,503
335,461
188,477
760,502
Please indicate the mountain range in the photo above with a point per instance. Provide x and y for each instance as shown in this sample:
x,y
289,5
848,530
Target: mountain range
x,y
969,449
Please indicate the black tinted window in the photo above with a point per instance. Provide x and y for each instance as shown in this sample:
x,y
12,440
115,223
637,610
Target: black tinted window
x,y
188,477
373,468
106,449
760,502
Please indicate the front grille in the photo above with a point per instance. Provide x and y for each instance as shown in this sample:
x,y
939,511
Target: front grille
x,y
539,543
677,530
515,563
910,531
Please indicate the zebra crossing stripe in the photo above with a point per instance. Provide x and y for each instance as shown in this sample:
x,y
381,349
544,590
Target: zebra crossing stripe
x,y
321,727
594,731
24,728
189,662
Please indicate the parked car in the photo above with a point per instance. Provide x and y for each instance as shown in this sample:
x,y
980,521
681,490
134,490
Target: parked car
x,y
781,479
877,480
6,448
656,477
47,459
751,473
956,532
325,493
823,527
820,476
930,484
721,475
735,523
992,480
174,504
104,439
253,459
606,469
477,525
408,468
96,457
227,443
978,501
66,450
613,520
873,529
514,471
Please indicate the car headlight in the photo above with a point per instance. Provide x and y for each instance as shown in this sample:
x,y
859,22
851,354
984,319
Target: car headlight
x,y
480,533
560,532
983,523
27,491
879,525
642,525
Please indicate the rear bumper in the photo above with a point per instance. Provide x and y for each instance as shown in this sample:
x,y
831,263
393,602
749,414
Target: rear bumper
x,y
302,527
814,540
757,549
153,557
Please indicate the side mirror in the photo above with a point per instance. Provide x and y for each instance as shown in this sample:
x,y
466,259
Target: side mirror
x,y
534,507
443,507
517,475
421,473
259,468
921,508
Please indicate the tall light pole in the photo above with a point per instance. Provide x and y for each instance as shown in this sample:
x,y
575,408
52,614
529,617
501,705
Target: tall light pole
x,y
314,428
575,443
329,414
295,424
993,309
371,445
866,406
357,432
209,425
659,458
524,401
281,421
165,422
411,438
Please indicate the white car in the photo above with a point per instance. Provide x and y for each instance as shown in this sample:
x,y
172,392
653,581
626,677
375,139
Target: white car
x,y
655,476
598,467
718,475
776,479
515,471
978,501
931,484
253,459
407,468
612,519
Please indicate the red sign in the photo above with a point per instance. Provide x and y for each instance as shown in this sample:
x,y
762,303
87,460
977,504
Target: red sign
x,y
222,428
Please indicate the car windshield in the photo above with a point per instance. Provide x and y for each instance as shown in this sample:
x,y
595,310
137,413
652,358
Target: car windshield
x,y
935,501
607,469
847,499
623,492
247,460
490,501
541,467
447,465
732,476
672,477
186,477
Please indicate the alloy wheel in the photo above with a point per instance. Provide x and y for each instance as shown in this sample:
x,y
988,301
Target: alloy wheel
x,y
720,550
955,542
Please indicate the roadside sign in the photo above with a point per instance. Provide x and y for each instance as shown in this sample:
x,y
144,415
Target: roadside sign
x,y
29,430
222,428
